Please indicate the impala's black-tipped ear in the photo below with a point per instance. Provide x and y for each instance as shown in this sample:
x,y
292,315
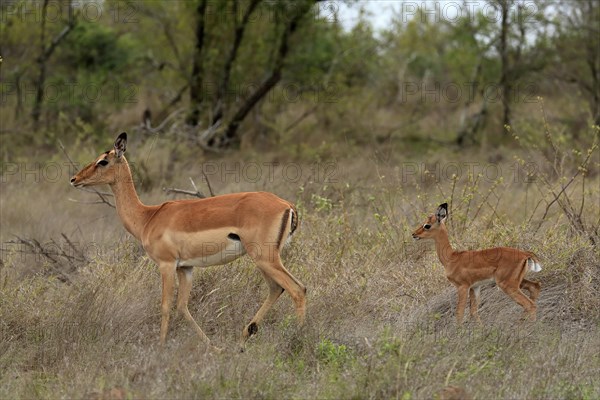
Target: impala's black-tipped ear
x,y
442,212
121,144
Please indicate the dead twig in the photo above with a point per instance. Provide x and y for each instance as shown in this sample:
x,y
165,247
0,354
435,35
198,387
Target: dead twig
x,y
162,125
557,196
60,261
186,192
212,194
196,192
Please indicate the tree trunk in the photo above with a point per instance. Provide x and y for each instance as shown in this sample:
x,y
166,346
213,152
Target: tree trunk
x,y
593,59
505,83
237,40
42,60
196,78
39,84
231,130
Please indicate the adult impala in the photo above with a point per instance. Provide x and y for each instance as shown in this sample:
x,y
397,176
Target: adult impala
x,y
468,270
179,235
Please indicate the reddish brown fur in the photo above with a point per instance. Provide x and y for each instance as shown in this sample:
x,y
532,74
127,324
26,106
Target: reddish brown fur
x,y
179,232
507,266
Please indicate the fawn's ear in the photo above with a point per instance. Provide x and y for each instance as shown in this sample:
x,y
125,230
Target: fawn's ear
x,y
121,144
442,212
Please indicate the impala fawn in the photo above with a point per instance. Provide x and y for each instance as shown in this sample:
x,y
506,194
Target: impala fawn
x,y
468,270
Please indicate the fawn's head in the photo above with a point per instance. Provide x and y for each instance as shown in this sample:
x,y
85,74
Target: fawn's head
x,y
106,168
432,224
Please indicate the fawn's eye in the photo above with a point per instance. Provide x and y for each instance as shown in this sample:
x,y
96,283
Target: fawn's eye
x,y
426,226
102,162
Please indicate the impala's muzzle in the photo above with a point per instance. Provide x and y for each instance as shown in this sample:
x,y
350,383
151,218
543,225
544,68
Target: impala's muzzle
x,y
74,182
414,235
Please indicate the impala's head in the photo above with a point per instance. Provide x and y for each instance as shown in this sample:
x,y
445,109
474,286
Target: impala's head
x,y
432,224
106,168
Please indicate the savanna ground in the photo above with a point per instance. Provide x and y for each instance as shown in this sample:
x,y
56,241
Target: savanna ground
x,y
79,310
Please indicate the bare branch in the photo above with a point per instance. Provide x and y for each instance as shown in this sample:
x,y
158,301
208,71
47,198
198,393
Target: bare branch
x,y
564,188
91,190
194,184
196,192
212,194
209,133
165,121
89,202
186,192
50,253
62,147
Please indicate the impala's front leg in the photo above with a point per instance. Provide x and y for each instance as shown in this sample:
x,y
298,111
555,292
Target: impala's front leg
x,y
184,275
462,302
167,272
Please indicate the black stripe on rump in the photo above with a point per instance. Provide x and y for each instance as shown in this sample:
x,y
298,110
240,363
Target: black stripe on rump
x,y
294,223
284,221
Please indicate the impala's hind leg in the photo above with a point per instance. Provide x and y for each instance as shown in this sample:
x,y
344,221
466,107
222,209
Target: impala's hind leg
x,y
274,292
278,279
532,287
517,295
276,271
474,303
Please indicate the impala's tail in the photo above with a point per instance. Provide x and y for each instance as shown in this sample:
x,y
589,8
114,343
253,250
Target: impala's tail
x,y
289,223
295,220
534,264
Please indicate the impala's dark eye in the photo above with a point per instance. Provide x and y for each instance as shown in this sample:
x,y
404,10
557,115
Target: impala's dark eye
x,y
426,226
102,162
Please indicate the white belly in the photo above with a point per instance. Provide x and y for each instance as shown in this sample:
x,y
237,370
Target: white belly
x,y
478,284
215,255
206,248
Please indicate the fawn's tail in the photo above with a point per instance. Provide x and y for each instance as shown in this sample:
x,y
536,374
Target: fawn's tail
x,y
533,263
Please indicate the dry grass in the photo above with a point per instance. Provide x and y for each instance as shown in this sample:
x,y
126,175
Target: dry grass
x,y
380,311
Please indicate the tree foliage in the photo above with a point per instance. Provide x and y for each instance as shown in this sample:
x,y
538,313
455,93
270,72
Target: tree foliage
x,y
215,63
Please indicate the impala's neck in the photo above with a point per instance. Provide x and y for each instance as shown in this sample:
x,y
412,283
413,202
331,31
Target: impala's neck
x,y
443,247
132,212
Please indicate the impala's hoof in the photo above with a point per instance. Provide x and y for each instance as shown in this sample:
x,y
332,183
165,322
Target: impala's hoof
x,y
252,329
